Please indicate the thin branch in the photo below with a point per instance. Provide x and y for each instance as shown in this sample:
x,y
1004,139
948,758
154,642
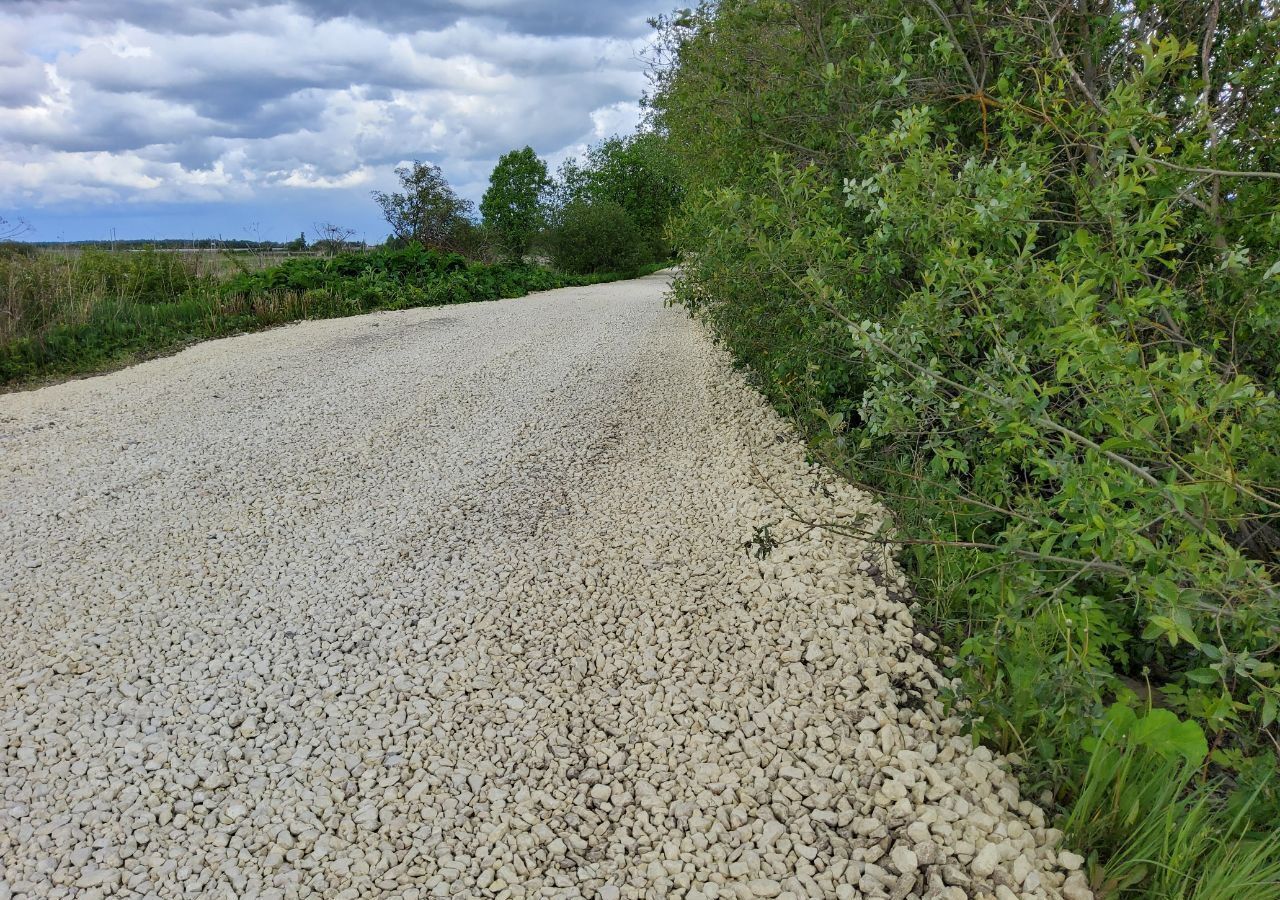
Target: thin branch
x,y
1200,170
946,23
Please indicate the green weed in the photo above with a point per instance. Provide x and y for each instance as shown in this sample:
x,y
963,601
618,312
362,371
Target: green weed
x,y
73,313
1171,834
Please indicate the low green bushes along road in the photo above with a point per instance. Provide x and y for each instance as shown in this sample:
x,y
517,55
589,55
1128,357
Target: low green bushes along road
x,y
69,310
1018,269
66,313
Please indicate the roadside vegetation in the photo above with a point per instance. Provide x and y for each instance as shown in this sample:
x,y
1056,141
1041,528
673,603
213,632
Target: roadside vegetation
x,y
67,311
1017,268
611,207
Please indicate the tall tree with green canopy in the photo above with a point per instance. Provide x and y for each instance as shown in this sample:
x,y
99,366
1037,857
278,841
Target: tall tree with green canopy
x,y
513,206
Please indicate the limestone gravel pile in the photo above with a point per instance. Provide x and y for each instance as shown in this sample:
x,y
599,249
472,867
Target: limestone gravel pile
x,y
503,600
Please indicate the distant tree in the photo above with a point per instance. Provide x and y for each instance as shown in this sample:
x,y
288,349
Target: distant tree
x,y
596,237
637,172
514,205
299,243
331,238
427,210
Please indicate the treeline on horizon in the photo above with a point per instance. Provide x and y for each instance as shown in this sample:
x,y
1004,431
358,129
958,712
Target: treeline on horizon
x,y
1016,267
68,309
604,211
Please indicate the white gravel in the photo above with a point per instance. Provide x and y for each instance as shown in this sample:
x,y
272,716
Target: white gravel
x,y
455,602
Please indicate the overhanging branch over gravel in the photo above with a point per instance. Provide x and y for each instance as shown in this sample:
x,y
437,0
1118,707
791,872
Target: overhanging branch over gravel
x,y
480,601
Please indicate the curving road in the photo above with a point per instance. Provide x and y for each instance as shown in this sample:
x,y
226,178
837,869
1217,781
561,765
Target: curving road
x,y
495,600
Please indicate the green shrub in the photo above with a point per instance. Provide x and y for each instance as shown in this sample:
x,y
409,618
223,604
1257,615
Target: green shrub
x,y
997,265
83,312
596,237
639,173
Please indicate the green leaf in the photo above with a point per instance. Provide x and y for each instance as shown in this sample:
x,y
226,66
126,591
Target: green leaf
x,y
1162,731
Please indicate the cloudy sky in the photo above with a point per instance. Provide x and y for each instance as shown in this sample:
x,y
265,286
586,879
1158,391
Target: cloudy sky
x,y
238,118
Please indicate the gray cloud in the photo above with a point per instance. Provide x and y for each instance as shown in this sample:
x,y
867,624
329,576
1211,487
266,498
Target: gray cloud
x,y
153,101
622,18
22,84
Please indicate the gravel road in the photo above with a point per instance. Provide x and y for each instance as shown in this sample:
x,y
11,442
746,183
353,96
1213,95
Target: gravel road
x,y
468,602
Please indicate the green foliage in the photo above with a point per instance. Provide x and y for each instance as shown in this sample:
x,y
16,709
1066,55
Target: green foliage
x,y
94,316
427,211
1018,271
145,276
637,173
394,268
41,288
596,237
1171,836
15,248
513,206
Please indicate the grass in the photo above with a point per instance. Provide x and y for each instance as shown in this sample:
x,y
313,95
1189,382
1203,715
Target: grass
x,y
66,313
1167,832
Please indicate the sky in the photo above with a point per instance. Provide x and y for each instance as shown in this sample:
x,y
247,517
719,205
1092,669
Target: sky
x,y
260,120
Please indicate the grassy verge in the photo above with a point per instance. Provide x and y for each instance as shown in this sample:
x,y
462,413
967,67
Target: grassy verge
x,y
74,314
1158,828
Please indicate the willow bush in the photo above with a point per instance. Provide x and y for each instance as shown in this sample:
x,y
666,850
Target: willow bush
x,y
1017,267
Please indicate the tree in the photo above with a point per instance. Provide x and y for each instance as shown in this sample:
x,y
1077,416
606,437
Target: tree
x,y
332,238
596,237
637,172
428,211
514,205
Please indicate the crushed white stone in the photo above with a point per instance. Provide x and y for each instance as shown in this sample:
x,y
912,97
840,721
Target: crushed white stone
x,y
463,602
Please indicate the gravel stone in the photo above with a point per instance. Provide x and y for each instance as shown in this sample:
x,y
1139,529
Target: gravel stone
x,y
1070,861
511,600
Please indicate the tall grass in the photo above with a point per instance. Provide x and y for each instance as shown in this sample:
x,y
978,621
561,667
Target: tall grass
x,y
72,312
41,289
1169,833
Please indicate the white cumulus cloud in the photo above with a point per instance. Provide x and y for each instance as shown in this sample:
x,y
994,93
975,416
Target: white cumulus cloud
x,y
107,105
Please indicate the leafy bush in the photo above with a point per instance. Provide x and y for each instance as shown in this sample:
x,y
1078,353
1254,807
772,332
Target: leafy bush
x,y
637,172
1018,271
83,312
407,264
596,237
